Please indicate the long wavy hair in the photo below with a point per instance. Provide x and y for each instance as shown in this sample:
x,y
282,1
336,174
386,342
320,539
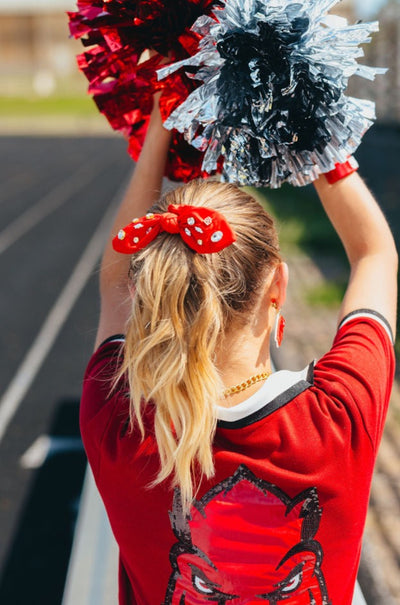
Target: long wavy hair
x,y
183,304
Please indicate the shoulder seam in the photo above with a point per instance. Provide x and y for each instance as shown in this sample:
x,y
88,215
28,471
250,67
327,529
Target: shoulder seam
x,y
372,315
114,338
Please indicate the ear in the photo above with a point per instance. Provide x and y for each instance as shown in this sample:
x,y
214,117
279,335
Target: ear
x,y
279,282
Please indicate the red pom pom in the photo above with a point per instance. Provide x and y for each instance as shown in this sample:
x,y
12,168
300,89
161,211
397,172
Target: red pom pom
x,y
116,32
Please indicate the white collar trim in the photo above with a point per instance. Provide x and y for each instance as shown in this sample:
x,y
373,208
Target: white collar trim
x,y
277,383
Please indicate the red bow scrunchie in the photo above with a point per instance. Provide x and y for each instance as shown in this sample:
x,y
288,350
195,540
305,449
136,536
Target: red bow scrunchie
x,y
202,229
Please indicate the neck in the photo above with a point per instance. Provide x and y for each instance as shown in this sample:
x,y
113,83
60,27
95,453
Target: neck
x,y
242,354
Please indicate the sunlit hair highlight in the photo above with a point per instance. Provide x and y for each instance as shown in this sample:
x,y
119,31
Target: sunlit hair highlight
x,y
183,304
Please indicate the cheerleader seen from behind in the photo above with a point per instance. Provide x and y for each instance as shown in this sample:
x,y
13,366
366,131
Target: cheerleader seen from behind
x,y
225,483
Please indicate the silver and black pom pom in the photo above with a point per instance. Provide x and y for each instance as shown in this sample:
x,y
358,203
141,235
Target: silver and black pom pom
x,y
271,104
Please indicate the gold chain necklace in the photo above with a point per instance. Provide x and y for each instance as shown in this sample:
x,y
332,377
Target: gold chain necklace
x,y
242,386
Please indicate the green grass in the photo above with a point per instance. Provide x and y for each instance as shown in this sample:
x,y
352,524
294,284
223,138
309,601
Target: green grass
x,y
329,294
55,105
303,225
302,221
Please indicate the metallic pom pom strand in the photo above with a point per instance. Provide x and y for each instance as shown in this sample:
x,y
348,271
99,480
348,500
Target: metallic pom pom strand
x,y
272,99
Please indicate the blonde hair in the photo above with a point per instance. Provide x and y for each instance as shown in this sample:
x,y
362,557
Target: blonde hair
x,y
182,306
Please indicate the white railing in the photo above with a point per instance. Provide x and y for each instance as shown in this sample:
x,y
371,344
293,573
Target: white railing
x,y
92,577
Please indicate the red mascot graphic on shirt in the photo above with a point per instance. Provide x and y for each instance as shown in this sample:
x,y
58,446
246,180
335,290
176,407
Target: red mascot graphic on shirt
x,y
247,542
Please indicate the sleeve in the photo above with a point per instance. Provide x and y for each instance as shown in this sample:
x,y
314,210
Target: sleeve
x,y
358,372
101,400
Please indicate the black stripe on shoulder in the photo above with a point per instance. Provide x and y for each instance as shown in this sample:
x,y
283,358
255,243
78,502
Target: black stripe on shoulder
x,y
111,338
310,374
367,312
272,406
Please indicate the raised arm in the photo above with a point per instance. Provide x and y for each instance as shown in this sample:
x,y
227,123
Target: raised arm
x,y
143,191
369,246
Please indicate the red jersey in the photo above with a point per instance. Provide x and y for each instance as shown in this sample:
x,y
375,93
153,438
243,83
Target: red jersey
x,y
283,517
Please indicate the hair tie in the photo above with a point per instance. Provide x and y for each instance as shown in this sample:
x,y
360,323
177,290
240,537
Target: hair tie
x,y
204,230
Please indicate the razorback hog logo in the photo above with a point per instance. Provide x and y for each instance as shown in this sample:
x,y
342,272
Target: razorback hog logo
x,y
247,542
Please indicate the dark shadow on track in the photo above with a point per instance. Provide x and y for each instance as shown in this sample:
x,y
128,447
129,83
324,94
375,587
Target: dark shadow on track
x,y
38,559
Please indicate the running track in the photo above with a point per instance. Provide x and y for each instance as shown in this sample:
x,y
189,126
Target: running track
x,y
55,203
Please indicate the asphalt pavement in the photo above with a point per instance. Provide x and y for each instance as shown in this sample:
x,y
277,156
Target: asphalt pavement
x,y
55,193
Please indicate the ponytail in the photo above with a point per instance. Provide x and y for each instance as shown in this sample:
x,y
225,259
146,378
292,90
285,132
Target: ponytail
x,y
183,304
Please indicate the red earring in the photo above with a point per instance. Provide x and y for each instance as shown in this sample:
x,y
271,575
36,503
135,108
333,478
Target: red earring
x,y
279,325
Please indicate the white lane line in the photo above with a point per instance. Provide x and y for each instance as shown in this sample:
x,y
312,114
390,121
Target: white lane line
x,y
46,446
51,202
55,320
36,454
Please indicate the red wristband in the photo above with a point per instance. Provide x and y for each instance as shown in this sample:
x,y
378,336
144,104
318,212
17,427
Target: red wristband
x,y
342,170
